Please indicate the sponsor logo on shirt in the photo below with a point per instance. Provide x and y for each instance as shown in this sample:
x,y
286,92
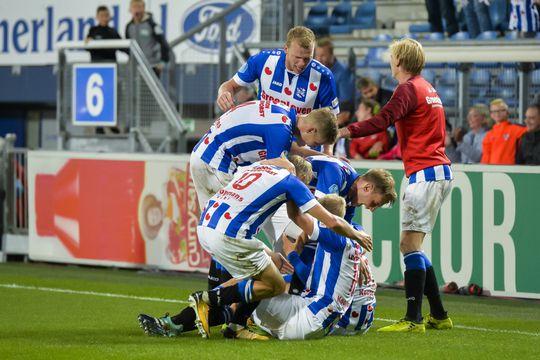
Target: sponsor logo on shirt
x,y
299,110
277,83
335,102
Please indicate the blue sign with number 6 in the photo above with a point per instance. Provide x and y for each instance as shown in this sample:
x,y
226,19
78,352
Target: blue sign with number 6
x,y
94,94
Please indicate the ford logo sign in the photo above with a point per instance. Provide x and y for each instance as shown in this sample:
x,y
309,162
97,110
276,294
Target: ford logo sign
x,y
240,25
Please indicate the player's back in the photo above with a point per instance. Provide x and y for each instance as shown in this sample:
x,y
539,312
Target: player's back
x,y
334,274
253,195
247,133
331,175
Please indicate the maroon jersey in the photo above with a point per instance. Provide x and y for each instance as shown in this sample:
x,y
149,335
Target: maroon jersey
x,y
417,111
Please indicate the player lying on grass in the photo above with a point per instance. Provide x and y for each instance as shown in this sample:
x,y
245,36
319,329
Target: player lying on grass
x,y
233,216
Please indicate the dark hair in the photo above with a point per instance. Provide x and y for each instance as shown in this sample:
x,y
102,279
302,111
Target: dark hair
x,y
365,82
102,8
534,106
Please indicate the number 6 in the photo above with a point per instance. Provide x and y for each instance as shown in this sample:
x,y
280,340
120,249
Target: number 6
x,y
94,94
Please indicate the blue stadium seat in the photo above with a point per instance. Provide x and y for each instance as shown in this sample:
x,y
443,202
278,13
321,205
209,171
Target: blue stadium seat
x,y
365,16
341,19
434,36
317,19
449,77
487,35
429,75
420,28
507,77
410,36
373,74
509,95
448,95
383,37
535,77
511,35
374,58
480,77
460,35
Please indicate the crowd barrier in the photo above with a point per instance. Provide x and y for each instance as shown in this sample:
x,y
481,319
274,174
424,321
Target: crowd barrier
x,y
141,211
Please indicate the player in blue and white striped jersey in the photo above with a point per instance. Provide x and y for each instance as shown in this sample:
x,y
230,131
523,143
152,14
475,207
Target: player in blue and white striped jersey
x,y
251,132
233,216
331,283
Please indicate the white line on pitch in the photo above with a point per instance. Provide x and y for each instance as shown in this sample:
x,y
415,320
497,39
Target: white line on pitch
x,y
482,329
82,292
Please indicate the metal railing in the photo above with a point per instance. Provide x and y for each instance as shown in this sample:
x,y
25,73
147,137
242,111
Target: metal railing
x,y
147,117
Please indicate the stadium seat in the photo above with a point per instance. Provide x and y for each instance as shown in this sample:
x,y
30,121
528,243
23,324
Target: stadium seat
x,y
460,35
410,36
383,37
420,28
507,77
341,18
511,35
449,77
317,19
487,35
434,36
373,74
429,75
374,58
480,77
508,94
535,77
365,16
448,95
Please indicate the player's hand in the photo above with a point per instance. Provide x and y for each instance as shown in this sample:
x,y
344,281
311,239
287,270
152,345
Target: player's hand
x,y
288,244
364,239
283,265
225,100
343,133
364,272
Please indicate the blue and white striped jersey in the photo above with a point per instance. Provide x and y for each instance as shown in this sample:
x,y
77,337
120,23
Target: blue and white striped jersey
x,y
247,133
334,274
524,16
314,88
253,195
333,176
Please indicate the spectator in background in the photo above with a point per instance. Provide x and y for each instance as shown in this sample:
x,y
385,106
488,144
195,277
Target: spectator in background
x,y
476,16
439,9
468,145
500,143
370,90
371,146
149,35
529,148
324,53
102,31
524,17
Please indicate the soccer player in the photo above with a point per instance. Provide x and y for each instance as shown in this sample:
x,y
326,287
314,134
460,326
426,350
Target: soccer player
x,y
234,215
331,283
288,75
418,113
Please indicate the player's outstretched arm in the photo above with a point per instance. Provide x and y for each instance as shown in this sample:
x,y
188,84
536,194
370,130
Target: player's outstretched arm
x,y
226,93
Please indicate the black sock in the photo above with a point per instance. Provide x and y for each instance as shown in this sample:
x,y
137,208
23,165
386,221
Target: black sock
x,y
214,275
243,312
218,315
186,318
414,291
224,296
431,290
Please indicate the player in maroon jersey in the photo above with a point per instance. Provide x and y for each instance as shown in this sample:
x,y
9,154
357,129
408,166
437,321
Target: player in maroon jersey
x,y
418,114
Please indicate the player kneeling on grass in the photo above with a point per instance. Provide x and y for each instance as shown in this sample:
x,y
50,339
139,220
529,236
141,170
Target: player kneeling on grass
x,y
226,229
330,286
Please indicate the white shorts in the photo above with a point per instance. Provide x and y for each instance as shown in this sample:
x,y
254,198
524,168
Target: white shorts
x,y
358,318
421,204
275,225
242,258
287,317
206,180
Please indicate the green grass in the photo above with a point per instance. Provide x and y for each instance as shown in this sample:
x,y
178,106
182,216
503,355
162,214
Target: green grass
x,y
50,325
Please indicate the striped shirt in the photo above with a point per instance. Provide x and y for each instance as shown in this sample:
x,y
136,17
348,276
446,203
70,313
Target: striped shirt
x,y
524,16
253,195
247,133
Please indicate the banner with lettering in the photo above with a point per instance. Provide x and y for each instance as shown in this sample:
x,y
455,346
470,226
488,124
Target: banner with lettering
x,y
30,29
107,210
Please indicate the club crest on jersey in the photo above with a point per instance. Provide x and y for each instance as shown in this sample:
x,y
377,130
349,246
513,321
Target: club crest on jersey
x,y
333,189
300,93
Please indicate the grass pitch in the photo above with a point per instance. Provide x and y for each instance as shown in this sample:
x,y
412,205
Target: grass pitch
x,y
69,312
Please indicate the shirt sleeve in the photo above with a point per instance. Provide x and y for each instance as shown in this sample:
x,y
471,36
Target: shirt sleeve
x,y
402,103
277,141
472,151
486,148
326,238
329,181
327,95
301,269
251,70
300,194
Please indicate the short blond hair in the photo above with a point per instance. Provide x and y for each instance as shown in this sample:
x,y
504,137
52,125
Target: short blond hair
x,y
302,36
500,102
335,204
326,123
383,183
303,168
410,54
483,111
